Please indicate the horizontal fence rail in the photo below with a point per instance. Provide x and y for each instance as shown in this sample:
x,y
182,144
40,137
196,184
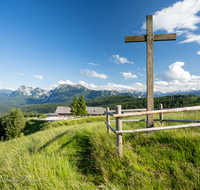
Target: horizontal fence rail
x,y
194,108
184,121
130,110
158,128
135,120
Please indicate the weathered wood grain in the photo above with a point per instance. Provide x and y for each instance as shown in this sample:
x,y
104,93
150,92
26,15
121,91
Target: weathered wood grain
x,y
119,128
139,38
150,70
164,37
158,128
193,108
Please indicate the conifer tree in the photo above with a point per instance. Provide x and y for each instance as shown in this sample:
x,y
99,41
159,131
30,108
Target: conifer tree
x,y
74,106
14,123
81,106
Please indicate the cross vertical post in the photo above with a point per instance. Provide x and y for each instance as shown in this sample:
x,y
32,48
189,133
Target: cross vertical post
x,y
149,38
150,78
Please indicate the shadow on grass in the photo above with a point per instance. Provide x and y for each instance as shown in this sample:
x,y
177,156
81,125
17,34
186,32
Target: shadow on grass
x,y
54,139
33,126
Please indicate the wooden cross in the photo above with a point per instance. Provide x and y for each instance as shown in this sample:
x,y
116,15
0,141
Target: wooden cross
x,y
149,38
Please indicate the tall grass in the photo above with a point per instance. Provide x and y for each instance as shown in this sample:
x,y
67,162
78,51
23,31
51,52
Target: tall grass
x,y
83,156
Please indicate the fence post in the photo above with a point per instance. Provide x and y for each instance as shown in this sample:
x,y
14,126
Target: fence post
x,y
161,114
119,128
108,120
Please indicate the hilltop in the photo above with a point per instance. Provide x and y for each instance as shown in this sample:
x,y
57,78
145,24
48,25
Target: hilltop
x,y
79,154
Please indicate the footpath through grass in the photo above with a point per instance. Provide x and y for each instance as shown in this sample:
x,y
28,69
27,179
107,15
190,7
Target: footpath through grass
x,y
83,156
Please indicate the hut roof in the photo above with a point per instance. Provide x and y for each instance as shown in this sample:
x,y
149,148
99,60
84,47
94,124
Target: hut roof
x,y
63,109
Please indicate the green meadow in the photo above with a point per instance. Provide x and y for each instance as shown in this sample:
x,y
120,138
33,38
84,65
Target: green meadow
x,y
79,154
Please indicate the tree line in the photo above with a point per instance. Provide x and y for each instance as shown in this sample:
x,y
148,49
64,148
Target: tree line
x,y
127,102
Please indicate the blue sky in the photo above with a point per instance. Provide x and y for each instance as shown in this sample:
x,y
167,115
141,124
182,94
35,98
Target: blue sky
x,y
47,43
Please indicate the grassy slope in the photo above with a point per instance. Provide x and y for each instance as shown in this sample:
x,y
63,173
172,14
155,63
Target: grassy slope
x,y
83,156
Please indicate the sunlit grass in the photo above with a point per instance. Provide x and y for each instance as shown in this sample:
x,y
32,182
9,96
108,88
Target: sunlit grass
x,y
83,156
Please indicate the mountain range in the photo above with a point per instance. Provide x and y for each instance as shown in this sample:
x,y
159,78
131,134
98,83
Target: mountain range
x,y
25,95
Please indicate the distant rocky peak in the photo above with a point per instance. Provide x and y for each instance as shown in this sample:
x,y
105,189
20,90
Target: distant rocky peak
x,y
28,91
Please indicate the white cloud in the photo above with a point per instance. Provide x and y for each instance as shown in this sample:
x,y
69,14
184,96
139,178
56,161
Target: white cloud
x,y
92,73
198,53
178,79
38,76
54,85
88,85
113,86
119,60
93,63
164,83
129,75
8,87
141,74
162,86
192,38
176,72
181,17
21,74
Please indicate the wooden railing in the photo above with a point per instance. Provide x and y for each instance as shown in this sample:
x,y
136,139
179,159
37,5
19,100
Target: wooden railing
x,y
137,112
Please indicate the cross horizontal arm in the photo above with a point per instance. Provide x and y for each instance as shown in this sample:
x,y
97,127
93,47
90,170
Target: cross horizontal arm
x,y
164,37
156,37
139,38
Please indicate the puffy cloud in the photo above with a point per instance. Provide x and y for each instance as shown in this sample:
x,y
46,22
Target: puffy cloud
x,y
178,79
92,73
164,83
54,85
93,63
129,75
38,76
198,53
8,87
192,38
117,87
119,60
88,85
177,86
181,15
176,72
162,86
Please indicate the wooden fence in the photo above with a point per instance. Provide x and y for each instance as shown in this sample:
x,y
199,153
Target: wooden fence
x,y
136,112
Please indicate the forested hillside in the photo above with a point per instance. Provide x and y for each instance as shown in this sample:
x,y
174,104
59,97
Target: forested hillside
x,y
127,102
